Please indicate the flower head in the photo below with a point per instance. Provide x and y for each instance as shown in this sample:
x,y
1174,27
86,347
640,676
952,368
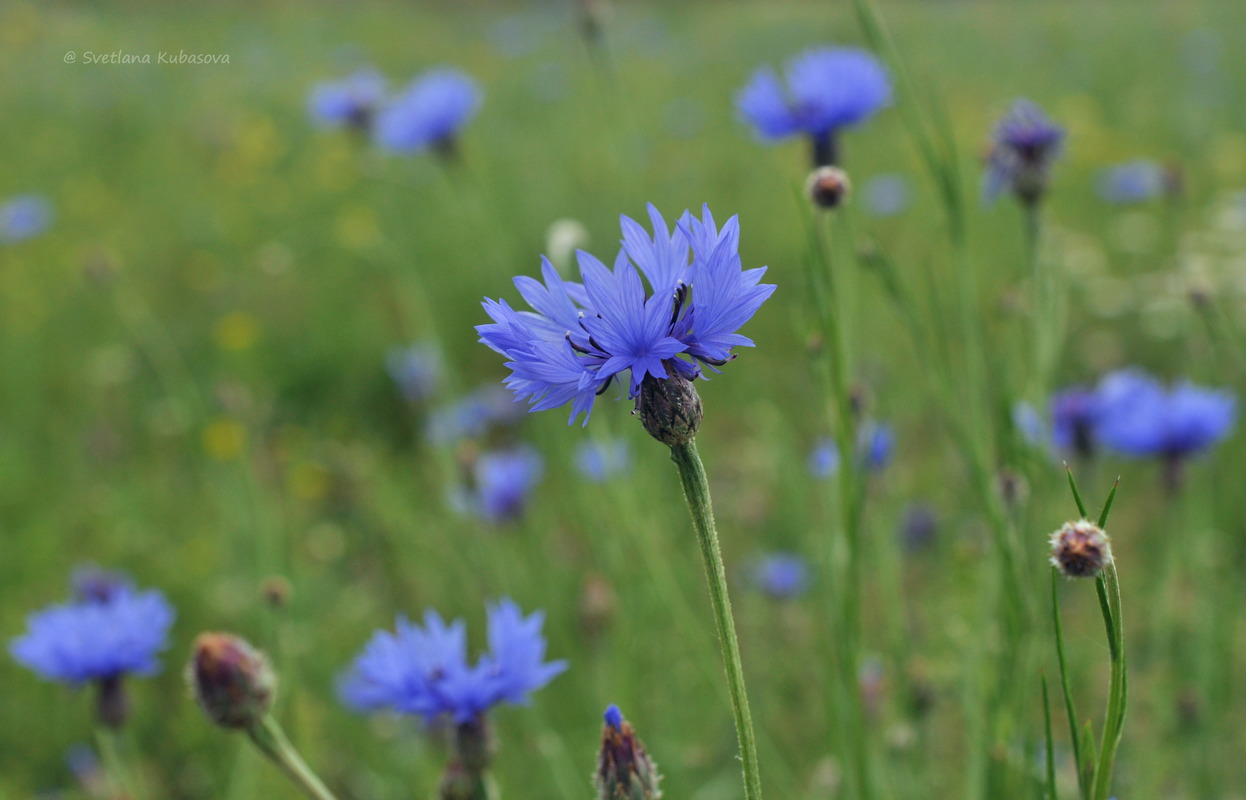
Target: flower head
x,y
98,638
624,769
875,441
824,90
24,217
1137,416
1074,414
582,336
424,670
501,483
1025,144
598,461
232,681
474,415
782,575
416,369
429,112
1131,182
1080,549
348,103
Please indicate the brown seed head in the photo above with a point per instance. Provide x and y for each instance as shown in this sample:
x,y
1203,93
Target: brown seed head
x,y
1080,549
232,681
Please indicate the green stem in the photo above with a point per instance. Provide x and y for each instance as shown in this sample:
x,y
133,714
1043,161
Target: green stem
x,y
1069,710
697,494
1114,721
115,763
272,741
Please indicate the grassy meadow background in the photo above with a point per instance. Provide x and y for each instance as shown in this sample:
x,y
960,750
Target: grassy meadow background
x,y
194,387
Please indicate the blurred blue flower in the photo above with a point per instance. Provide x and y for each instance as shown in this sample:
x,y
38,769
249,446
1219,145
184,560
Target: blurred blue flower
x,y
782,575
1138,416
598,461
92,584
875,441
424,670
24,217
429,112
416,369
474,415
1131,182
887,195
584,336
1074,420
1024,145
918,526
100,638
349,103
501,483
826,89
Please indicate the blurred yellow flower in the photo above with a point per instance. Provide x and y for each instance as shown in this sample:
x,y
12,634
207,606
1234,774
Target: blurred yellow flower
x,y
357,227
237,331
224,439
309,480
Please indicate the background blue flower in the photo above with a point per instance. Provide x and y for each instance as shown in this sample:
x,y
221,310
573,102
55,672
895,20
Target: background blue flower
x,y
1025,143
24,217
351,102
1138,416
825,89
425,671
97,639
430,112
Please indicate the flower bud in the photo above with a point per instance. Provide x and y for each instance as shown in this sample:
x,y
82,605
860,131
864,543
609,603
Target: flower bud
x,y
828,187
231,680
670,409
1080,549
624,769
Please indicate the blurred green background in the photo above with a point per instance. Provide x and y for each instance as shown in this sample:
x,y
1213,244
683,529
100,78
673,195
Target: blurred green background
x,y
194,387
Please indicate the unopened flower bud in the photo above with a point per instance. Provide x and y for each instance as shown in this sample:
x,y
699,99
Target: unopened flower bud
x,y
624,769
276,591
670,409
828,187
231,680
1080,549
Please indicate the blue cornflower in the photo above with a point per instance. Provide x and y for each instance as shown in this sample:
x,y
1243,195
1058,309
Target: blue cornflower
x,y
875,442
474,415
416,369
782,575
1074,420
827,89
598,461
97,637
1131,182
583,336
1024,145
349,103
501,484
429,112
424,670
24,217
1137,416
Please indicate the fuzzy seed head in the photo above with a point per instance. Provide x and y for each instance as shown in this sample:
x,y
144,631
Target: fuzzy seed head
x,y
1080,549
828,187
231,680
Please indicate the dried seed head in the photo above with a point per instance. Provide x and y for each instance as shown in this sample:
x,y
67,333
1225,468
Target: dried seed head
x,y
231,680
828,187
1080,549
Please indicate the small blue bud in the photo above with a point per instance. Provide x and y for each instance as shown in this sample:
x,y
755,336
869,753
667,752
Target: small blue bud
x,y
614,717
